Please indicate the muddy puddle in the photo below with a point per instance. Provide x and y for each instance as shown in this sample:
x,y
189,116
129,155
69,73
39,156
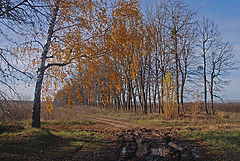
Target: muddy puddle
x,y
152,145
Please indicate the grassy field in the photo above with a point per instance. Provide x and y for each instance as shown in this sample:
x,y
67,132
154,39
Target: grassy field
x,y
54,141
65,133
219,134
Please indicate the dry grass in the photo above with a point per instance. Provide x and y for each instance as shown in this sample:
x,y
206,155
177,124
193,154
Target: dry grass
x,y
219,134
70,114
15,110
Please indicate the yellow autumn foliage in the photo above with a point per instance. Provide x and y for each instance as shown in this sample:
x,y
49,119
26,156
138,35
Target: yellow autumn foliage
x,y
100,44
169,95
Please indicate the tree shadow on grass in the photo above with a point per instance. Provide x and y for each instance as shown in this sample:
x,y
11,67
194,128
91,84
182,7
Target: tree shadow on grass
x,y
10,128
40,144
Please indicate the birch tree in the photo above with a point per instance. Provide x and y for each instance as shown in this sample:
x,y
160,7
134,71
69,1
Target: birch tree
x,y
70,27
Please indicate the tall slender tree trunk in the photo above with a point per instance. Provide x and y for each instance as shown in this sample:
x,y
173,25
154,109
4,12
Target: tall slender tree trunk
x,y
211,88
154,91
159,100
205,79
38,87
128,95
211,95
143,90
144,98
124,100
149,99
176,67
156,84
134,100
184,76
182,91
119,102
139,93
162,99
37,98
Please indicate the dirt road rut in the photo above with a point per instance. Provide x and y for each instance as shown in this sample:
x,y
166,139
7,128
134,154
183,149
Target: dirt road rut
x,y
138,143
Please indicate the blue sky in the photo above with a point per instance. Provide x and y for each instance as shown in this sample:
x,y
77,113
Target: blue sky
x,y
225,13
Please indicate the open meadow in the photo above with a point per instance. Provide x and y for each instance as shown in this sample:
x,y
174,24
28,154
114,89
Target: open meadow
x,y
90,133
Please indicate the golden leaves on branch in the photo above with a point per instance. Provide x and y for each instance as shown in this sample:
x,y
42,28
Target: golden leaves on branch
x,y
103,45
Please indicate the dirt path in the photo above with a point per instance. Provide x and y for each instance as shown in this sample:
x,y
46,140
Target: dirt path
x,y
114,123
137,142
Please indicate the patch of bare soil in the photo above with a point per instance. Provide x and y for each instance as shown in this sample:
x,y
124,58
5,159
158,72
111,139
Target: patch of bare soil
x,y
132,142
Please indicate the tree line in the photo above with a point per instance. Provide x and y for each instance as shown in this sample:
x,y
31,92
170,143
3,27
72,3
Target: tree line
x,y
176,40
109,53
